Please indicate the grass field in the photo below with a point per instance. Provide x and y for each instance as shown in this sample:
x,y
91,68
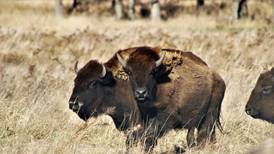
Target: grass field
x,y
38,51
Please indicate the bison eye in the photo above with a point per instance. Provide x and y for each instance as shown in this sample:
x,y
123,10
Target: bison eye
x,y
154,71
267,89
91,84
128,71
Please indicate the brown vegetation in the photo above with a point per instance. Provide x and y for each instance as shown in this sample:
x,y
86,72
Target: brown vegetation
x,y
38,51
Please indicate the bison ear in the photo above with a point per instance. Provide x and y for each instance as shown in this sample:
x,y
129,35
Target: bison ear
x,y
76,67
162,74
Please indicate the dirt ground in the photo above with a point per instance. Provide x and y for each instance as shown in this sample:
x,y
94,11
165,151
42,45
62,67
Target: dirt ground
x,y
38,51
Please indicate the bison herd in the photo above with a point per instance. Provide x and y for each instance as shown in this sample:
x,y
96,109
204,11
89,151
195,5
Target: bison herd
x,y
240,8
150,91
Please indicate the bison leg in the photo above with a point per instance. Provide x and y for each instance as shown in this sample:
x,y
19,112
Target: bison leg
x,y
119,9
218,93
134,136
146,136
155,10
200,4
190,137
240,8
131,10
156,128
74,5
206,130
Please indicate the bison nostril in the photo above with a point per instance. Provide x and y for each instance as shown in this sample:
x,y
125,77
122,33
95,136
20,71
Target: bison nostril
x,y
74,105
71,103
251,111
248,111
141,92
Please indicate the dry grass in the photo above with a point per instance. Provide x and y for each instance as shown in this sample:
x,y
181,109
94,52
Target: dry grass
x,y
37,53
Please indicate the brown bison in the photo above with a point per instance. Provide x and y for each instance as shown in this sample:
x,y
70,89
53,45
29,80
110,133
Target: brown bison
x,y
188,96
96,91
101,89
261,101
118,8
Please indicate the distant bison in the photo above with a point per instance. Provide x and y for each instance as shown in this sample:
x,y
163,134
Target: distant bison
x,y
96,92
188,96
118,7
261,101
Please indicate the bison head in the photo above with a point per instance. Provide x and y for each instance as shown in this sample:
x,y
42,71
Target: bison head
x,y
144,66
89,84
261,101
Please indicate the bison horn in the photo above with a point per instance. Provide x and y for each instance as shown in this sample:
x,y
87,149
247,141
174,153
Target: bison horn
x,y
76,67
160,60
104,72
272,72
121,60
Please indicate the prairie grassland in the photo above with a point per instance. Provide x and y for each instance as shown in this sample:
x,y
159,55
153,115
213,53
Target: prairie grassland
x,y
38,51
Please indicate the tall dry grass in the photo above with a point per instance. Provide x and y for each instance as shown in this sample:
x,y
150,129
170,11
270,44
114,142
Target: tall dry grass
x,y
37,53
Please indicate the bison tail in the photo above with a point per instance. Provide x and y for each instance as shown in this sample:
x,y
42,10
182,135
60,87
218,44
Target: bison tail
x,y
218,92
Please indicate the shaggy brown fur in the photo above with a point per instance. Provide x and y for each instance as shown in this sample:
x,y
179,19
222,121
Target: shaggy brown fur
x,y
94,95
192,99
261,101
173,58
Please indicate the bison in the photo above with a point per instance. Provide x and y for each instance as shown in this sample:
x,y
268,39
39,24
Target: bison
x,y
96,91
118,7
183,93
261,101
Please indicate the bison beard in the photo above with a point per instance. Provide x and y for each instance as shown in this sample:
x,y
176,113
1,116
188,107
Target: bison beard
x,y
106,95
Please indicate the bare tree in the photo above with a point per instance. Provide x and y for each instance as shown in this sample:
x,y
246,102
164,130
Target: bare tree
x,y
273,11
131,10
155,10
200,3
119,9
59,8
240,8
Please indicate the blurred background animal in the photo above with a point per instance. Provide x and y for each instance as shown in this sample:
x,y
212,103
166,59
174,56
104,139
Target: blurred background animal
x,y
261,100
240,8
